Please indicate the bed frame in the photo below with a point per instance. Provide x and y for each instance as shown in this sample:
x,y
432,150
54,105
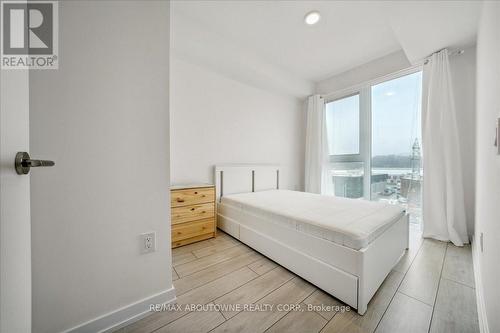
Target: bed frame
x,y
352,276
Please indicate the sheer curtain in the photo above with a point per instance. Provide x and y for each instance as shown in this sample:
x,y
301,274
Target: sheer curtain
x,y
443,192
316,166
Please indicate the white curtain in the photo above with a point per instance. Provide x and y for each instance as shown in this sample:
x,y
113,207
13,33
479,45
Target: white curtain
x,y
443,193
316,166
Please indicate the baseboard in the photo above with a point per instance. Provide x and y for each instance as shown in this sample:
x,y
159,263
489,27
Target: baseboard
x,y
125,315
481,309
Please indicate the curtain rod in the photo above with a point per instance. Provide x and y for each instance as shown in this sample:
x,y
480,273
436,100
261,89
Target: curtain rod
x,y
451,54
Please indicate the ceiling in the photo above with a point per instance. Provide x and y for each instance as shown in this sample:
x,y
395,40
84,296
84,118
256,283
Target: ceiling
x,y
349,34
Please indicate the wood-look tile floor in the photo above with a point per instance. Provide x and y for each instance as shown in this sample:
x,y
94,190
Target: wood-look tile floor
x,y
431,289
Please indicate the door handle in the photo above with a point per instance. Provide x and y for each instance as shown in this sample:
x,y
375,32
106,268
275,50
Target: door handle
x,y
24,163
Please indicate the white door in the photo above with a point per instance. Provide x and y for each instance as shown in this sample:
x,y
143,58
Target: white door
x,y
15,229
103,118
76,262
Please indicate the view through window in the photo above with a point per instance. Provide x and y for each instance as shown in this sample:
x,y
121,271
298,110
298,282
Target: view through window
x,y
396,167
343,128
380,138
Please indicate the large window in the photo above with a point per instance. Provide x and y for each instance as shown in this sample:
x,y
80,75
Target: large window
x,y
374,142
396,170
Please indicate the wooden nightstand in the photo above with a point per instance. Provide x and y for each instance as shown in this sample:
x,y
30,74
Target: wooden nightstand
x,y
193,213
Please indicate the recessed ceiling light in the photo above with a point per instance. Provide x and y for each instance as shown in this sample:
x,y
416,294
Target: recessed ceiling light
x,y
312,17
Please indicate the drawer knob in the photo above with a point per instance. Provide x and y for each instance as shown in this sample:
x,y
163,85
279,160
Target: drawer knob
x,y
192,208
180,200
195,192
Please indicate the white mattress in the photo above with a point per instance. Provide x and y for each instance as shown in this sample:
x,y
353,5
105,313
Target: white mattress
x,y
350,222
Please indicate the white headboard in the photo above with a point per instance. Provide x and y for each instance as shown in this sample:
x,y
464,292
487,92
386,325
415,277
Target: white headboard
x,y
243,178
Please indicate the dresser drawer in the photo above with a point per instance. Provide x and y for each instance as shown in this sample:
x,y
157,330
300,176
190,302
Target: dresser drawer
x,y
192,229
192,196
192,240
192,213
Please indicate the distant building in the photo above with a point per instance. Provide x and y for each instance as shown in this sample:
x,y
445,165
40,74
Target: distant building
x,y
351,185
348,186
410,184
415,160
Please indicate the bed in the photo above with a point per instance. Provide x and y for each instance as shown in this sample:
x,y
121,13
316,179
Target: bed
x,y
346,247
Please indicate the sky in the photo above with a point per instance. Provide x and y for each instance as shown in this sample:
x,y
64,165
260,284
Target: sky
x,y
396,118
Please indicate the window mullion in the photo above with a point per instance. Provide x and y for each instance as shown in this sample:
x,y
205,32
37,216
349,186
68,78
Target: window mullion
x,y
365,138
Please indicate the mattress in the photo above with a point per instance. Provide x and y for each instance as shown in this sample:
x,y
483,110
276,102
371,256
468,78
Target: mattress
x,y
352,223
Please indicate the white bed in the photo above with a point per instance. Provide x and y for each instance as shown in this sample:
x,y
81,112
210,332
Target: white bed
x,y
346,247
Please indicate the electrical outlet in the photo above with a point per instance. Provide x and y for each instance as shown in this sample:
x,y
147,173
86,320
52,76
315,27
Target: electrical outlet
x,y
148,242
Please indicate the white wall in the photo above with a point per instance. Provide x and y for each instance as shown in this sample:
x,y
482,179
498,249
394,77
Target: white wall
x,y
103,117
215,119
463,72
372,70
488,163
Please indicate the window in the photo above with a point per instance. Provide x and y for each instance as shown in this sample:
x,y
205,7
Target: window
x,y
396,170
374,142
347,169
342,121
